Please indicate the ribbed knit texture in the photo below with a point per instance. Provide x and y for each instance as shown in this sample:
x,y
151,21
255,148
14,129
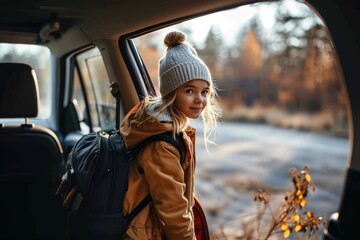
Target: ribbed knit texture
x,y
180,65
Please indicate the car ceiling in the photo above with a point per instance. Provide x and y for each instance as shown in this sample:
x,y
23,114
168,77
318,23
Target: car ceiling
x,y
82,22
95,19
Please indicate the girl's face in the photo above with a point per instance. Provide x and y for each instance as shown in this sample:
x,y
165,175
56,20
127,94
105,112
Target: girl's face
x,y
191,98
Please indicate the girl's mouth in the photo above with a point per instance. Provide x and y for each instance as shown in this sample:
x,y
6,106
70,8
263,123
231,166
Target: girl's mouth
x,y
197,109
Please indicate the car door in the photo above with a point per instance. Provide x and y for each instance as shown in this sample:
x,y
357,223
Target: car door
x,y
88,105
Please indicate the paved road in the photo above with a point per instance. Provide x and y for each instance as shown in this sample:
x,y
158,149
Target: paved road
x,y
252,156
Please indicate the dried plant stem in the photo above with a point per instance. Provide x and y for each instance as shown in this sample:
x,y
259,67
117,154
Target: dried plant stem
x,y
276,223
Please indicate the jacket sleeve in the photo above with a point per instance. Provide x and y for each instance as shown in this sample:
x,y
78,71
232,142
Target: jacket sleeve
x,y
165,177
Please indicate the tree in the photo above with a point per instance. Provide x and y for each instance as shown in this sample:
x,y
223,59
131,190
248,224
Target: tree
x,y
211,52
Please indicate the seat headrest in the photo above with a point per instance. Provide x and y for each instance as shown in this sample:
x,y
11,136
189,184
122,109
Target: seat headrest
x,y
19,95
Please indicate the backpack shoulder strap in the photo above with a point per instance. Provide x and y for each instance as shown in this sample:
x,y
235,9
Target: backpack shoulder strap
x,y
180,146
167,136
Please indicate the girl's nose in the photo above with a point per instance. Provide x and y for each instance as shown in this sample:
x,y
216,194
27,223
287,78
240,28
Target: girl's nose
x,y
198,98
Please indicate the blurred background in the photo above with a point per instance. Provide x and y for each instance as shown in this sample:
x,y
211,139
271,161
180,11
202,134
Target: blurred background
x,y
282,94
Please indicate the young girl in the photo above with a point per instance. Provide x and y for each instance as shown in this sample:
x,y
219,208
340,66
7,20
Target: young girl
x,y
187,92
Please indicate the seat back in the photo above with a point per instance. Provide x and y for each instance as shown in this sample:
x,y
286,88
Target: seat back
x,y
31,162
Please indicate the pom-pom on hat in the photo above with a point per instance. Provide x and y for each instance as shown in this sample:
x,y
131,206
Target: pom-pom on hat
x,y
180,64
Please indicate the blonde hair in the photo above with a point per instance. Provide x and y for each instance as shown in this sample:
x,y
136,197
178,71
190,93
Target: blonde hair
x,y
163,105
210,116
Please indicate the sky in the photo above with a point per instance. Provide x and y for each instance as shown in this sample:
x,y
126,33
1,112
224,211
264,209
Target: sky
x,y
232,20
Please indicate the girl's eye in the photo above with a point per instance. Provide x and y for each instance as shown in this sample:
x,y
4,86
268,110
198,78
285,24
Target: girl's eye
x,y
189,91
205,92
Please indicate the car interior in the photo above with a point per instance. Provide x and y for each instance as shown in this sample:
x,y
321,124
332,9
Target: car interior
x,y
80,40
28,181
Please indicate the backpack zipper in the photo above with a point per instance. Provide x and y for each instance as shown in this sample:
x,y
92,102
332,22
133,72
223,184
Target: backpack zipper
x,y
112,152
116,157
96,173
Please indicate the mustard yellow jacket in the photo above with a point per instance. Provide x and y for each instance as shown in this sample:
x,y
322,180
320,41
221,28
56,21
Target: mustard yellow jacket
x,y
158,170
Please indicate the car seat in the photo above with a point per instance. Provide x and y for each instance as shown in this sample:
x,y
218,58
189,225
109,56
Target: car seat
x,y
31,162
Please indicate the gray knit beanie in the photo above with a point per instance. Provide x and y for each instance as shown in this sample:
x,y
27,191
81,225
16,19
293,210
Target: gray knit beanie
x,y
180,64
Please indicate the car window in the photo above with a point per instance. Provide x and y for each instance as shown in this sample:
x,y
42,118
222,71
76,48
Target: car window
x,y
90,94
38,57
284,106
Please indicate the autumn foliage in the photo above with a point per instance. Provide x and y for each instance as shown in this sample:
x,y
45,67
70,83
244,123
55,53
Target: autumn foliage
x,y
290,217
